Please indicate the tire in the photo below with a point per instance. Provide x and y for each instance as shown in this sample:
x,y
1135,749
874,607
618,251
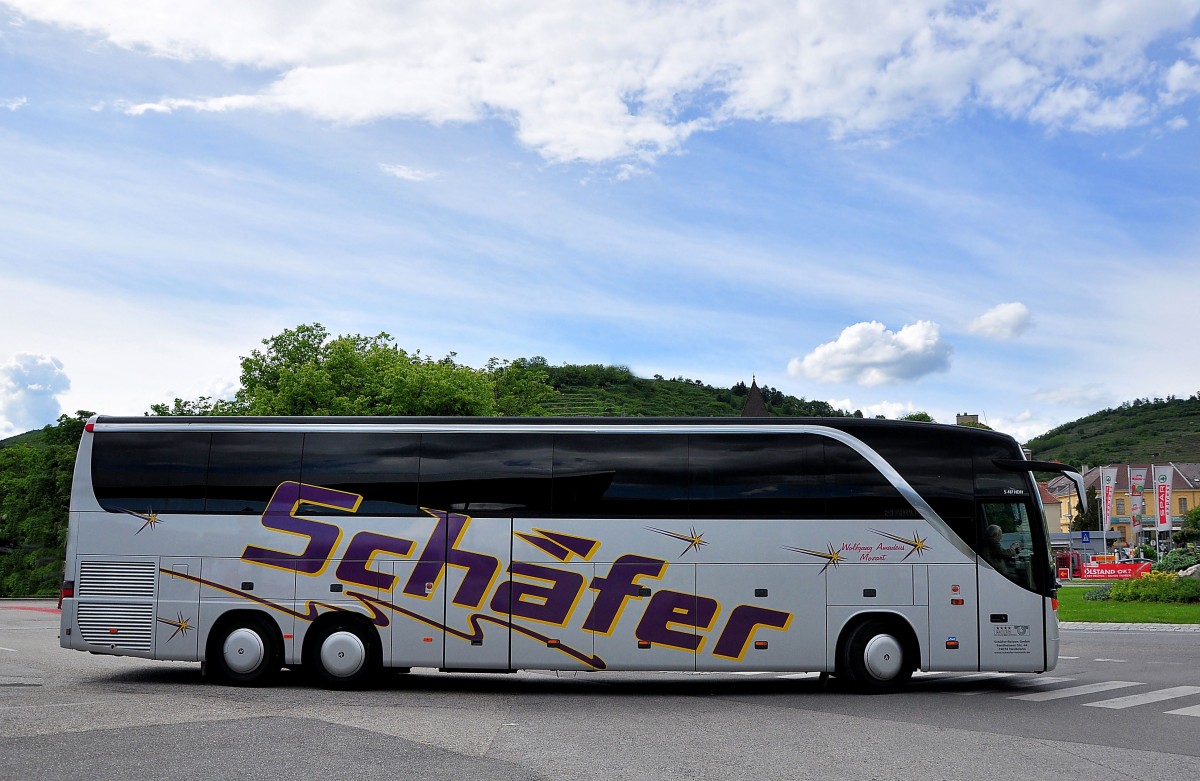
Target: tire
x,y
343,654
246,651
874,657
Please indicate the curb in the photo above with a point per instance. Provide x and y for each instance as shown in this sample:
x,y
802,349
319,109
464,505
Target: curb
x,y
1096,626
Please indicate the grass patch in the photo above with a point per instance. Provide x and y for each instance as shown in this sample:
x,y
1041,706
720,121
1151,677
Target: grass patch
x,y
1073,607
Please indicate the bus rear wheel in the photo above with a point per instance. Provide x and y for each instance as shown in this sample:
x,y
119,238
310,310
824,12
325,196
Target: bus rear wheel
x,y
873,657
343,654
245,651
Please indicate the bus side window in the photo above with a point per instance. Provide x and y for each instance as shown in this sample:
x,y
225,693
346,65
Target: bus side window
x,y
245,468
1006,540
767,476
485,474
621,475
152,472
854,488
380,467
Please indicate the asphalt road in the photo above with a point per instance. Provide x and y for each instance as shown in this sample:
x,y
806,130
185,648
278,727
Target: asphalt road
x,y
1120,705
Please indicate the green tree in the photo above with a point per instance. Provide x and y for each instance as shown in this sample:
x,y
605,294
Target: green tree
x,y
919,416
1088,520
520,387
1189,530
35,492
305,371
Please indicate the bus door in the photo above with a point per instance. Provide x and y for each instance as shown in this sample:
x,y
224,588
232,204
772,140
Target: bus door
x,y
1011,609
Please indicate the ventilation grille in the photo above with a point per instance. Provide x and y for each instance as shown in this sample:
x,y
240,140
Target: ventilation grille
x,y
128,627
116,579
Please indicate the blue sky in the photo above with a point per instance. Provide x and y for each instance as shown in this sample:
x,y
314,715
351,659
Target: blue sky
x,y
959,207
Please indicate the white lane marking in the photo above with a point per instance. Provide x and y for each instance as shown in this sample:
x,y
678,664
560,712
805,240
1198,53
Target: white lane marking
x,y
1041,680
1076,691
1118,661
2,648
1194,710
1145,698
979,677
1068,657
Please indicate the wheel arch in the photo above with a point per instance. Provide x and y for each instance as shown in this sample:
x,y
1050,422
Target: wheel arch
x,y
900,624
316,631
219,627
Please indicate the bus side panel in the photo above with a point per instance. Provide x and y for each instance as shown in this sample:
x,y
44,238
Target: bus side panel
x,y
1011,625
481,557
645,634
113,609
874,589
772,616
178,615
242,585
549,604
417,637
953,624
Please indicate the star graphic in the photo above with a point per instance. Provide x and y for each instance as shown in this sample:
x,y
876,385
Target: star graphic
x,y
832,558
151,519
917,544
182,625
694,540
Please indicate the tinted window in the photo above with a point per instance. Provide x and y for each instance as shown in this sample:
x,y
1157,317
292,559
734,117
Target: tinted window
x,y
855,488
486,474
620,475
757,476
937,464
382,468
245,468
150,472
1012,545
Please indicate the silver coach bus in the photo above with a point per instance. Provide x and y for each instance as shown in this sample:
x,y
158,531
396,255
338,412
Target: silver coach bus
x,y
342,546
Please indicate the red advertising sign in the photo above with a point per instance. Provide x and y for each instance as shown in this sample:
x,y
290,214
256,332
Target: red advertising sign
x,y
1124,570
1162,494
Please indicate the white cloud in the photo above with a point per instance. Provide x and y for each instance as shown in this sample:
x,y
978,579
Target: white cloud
x,y
869,354
1003,321
12,104
889,409
624,80
1177,123
1091,396
1023,426
1182,82
29,387
406,173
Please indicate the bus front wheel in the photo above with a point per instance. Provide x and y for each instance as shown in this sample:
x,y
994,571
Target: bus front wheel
x,y
245,651
874,658
343,654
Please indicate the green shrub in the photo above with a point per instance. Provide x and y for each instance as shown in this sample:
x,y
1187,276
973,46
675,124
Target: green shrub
x,y
1178,559
1099,593
1157,587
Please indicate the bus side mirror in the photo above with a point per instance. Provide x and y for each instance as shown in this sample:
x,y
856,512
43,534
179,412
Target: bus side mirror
x,y
1080,491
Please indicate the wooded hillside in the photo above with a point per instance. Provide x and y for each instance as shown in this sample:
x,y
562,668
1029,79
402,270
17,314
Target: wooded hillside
x,y
1142,431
